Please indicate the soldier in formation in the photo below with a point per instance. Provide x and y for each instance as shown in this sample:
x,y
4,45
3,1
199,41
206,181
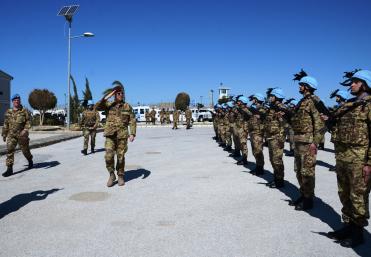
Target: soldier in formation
x,y
89,123
147,117
308,119
120,127
152,115
15,131
162,116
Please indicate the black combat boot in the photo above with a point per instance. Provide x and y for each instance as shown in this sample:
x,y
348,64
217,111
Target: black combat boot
x,y
259,170
84,152
304,205
321,146
290,153
228,148
277,183
30,164
341,233
355,239
243,160
235,154
8,172
297,201
92,150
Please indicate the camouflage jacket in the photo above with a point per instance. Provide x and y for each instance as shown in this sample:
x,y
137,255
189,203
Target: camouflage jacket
x,y
152,114
353,130
306,121
274,121
90,119
256,124
15,121
120,116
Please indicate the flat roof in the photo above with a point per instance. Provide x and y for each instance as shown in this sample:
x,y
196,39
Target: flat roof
x,y
5,75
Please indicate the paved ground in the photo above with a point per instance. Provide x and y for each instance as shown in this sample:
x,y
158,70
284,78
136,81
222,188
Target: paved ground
x,y
184,197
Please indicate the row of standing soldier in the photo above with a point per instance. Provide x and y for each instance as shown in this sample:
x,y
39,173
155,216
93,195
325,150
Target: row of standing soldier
x,y
266,118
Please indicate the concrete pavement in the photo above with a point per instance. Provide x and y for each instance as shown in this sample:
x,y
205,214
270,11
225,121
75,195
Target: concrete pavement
x,y
184,197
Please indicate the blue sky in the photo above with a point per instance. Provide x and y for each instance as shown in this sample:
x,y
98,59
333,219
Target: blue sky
x,y
160,48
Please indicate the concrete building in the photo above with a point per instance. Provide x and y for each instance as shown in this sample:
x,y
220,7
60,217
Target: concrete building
x,y
4,94
223,91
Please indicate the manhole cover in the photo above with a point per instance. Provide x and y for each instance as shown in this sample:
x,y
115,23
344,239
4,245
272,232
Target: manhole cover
x,y
153,152
90,196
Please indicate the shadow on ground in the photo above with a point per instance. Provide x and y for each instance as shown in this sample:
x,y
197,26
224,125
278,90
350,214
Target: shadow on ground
x,y
325,164
39,165
321,211
18,201
134,174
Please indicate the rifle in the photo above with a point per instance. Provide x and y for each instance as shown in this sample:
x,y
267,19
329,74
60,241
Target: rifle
x,y
333,93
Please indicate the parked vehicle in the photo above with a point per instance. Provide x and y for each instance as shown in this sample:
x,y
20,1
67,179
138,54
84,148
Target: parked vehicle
x,y
204,115
140,112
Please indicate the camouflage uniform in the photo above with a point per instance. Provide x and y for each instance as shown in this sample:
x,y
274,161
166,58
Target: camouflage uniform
x,y
188,116
152,114
120,116
167,117
256,130
234,123
148,117
175,119
15,122
352,152
243,132
275,135
308,128
162,116
90,121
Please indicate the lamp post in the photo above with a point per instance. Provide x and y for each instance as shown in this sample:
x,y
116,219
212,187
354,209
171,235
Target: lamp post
x,y
68,12
86,34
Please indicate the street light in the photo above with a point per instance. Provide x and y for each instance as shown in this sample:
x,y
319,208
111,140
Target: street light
x,y
68,12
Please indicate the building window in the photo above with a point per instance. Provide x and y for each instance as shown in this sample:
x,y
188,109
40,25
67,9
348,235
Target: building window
x,y
223,91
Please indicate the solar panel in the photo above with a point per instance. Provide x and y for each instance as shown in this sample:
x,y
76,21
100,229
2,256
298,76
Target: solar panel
x,y
68,10
72,10
63,10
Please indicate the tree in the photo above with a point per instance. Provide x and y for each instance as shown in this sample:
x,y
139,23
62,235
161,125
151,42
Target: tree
x,y
75,107
42,100
182,101
87,93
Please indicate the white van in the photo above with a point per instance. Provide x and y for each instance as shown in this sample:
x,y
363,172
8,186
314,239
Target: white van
x,y
140,112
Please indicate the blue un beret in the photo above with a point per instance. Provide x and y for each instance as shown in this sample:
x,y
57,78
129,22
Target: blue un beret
x,y
15,96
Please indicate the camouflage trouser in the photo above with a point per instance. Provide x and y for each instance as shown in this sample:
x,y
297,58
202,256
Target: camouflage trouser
x,y
228,135
220,133
257,148
92,133
153,120
291,138
116,146
215,128
353,192
305,164
175,124
11,143
275,147
188,121
243,133
236,139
